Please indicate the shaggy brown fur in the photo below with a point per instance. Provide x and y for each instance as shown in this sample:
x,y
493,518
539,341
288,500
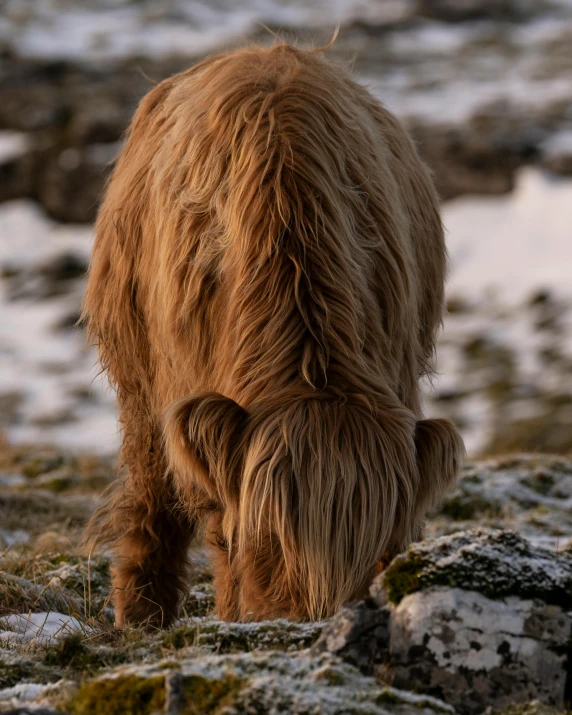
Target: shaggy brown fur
x,y
265,288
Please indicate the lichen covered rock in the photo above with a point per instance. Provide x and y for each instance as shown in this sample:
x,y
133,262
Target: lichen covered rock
x,y
478,619
494,563
530,493
254,684
222,637
474,651
359,634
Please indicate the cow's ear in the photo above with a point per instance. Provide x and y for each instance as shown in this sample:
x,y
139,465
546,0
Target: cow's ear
x,y
204,436
440,452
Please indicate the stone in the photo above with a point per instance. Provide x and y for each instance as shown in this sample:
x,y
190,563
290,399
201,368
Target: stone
x,y
358,633
531,492
217,636
480,618
53,277
556,152
473,651
71,181
255,683
495,563
464,160
477,619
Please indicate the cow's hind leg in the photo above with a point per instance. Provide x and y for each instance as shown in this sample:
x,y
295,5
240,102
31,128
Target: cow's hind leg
x,y
149,534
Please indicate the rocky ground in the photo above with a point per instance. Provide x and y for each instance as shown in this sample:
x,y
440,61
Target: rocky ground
x,y
477,616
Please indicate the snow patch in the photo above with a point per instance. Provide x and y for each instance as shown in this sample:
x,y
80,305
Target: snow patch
x,y
13,145
44,628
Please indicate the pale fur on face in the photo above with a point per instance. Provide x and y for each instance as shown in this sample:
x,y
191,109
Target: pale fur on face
x,y
265,289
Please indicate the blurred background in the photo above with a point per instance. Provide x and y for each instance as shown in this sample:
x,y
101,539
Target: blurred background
x,y
485,87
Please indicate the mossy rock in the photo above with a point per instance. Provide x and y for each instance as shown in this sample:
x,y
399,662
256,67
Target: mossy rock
x,y
222,637
529,492
17,669
495,563
123,695
204,696
277,682
71,651
464,507
76,656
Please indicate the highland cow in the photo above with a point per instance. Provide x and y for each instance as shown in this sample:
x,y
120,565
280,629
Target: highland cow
x,y
265,289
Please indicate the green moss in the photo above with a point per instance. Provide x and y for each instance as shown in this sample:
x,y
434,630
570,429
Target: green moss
x,y
56,560
463,507
206,697
561,466
119,696
501,388
541,482
13,673
402,577
72,652
331,675
239,638
230,642
541,510
58,484
180,637
388,697
477,348
458,305
26,670
34,466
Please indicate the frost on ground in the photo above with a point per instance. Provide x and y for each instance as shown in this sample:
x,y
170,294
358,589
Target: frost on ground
x,y
531,494
486,599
